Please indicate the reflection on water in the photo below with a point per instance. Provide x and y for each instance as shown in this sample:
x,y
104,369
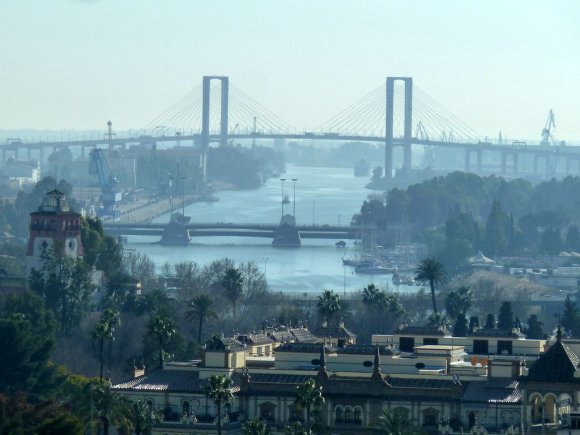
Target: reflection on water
x,y
323,196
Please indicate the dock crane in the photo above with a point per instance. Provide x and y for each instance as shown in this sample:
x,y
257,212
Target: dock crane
x,y
109,184
548,139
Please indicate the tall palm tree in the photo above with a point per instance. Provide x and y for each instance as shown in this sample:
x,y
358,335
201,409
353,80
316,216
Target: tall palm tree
x,y
219,389
308,396
372,296
110,406
330,304
162,328
201,308
394,423
232,283
141,417
105,330
432,271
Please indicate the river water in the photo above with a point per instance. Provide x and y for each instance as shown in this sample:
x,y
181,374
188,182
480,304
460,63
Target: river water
x,y
323,196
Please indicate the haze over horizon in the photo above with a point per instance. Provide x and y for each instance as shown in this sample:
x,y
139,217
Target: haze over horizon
x,y
496,65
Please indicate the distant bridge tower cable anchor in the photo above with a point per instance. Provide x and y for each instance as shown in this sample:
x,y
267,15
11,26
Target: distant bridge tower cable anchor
x,y
389,124
205,127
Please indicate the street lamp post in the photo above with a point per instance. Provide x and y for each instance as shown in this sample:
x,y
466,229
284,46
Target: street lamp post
x,y
294,180
282,180
183,195
265,264
171,192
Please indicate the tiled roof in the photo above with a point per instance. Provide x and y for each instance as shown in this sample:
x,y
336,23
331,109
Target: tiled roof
x,y
282,336
303,335
366,349
255,339
170,380
220,344
493,391
557,364
334,332
496,333
421,330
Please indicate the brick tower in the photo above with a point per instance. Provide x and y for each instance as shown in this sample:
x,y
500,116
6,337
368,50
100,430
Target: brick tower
x,y
54,220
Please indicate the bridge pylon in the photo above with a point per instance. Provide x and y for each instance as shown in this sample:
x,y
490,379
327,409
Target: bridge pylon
x,y
408,124
225,86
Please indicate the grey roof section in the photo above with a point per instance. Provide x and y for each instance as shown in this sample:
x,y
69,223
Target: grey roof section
x,y
303,335
558,364
421,330
366,349
336,331
161,380
496,333
304,348
493,391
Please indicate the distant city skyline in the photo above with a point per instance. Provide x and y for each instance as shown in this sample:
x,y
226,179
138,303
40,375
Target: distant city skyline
x,y
497,65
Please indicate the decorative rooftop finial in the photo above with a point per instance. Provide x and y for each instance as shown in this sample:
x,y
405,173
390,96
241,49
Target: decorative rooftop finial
x,y
377,375
559,333
322,369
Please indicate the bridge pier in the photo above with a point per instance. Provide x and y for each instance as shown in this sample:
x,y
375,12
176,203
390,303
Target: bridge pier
x,y
478,156
514,160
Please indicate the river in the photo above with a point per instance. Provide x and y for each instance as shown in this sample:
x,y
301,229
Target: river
x,y
323,196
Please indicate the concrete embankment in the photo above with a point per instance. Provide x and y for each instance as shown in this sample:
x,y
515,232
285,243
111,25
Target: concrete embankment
x,y
145,210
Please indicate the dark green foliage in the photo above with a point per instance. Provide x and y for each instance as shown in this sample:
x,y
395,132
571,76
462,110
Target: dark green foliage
x,y
571,317
330,306
498,231
62,424
551,241
535,327
459,301
473,323
572,239
460,327
65,285
161,328
201,308
243,167
490,321
232,284
28,339
505,318
373,212
255,427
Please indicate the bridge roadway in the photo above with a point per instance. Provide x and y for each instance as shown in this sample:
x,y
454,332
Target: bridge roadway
x,y
563,151
238,230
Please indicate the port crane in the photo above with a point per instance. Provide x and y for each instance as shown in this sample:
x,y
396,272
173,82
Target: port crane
x,y
109,184
548,139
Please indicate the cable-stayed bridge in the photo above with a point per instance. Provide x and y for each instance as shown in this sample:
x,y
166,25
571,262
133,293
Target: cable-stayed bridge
x,y
397,114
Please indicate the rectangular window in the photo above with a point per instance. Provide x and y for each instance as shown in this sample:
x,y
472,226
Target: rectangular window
x,y
480,347
406,344
430,341
504,346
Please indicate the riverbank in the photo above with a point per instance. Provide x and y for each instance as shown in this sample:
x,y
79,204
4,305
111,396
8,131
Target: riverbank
x,y
146,210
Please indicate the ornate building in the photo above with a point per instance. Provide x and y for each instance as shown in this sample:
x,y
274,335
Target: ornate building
x,y
54,221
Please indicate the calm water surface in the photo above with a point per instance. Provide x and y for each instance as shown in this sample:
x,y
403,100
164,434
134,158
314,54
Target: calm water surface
x,y
323,196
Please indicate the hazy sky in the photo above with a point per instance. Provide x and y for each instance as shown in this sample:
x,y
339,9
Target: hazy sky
x,y
496,64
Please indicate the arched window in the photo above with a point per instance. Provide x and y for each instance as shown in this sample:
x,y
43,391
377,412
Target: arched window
x,y
338,415
186,408
348,415
358,415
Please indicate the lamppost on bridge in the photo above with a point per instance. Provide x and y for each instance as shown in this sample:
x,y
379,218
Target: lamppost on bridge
x,y
294,180
183,195
282,180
